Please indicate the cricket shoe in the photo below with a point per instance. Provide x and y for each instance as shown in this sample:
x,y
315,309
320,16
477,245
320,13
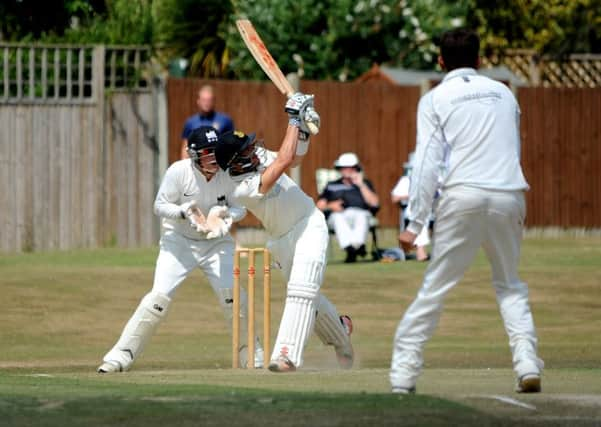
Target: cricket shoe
x,y
109,367
403,390
345,354
281,364
529,383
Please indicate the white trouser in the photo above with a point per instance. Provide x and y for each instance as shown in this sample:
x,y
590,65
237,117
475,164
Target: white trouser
x,y
351,226
179,256
301,254
466,219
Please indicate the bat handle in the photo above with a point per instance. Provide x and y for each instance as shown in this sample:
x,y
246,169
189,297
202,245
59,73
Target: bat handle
x,y
312,128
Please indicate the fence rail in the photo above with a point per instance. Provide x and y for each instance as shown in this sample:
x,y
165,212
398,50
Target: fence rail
x,y
62,74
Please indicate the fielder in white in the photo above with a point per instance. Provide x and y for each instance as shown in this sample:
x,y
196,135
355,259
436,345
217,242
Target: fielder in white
x,y
470,125
298,235
190,188
400,194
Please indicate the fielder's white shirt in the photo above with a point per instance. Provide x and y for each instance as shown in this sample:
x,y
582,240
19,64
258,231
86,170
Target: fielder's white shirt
x,y
468,134
401,189
182,184
281,208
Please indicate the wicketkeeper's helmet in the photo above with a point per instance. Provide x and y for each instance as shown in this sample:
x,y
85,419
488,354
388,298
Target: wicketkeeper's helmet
x,y
201,143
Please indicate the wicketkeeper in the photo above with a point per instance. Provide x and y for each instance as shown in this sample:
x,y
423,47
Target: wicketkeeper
x,y
298,234
196,216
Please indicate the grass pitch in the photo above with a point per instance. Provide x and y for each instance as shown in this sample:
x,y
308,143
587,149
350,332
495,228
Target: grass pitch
x,y
63,311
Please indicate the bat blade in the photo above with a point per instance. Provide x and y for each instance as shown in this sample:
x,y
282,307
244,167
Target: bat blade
x,y
259,51
257,48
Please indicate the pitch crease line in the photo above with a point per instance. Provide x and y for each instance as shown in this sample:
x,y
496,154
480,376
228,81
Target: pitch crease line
x,y
511,401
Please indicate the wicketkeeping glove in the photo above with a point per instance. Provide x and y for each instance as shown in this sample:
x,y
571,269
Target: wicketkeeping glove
x,y
219,222
195,216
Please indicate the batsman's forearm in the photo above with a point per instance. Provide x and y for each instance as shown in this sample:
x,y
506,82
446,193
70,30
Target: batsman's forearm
x,y
283,160
287,151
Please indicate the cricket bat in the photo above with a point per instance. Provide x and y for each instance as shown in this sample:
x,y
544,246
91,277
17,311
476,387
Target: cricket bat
x,y
257,48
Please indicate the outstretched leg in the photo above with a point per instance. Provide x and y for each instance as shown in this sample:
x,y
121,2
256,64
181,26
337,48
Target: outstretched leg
x,y
137,332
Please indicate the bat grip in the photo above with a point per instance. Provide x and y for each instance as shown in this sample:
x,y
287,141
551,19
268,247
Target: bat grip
x,y
312,128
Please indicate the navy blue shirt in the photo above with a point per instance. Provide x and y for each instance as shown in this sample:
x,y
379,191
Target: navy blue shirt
x,y
350,194
220,121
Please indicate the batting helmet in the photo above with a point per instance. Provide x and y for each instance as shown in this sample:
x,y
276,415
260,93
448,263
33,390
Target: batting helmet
x,y
230,152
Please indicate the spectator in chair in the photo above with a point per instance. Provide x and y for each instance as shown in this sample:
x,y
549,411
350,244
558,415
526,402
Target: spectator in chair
x,y
350,201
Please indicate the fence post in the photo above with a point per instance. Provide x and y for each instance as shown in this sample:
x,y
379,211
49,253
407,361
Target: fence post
x,y
100,124
535,69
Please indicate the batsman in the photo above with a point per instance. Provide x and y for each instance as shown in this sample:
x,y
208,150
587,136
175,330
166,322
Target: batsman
x,y
298,234
190,189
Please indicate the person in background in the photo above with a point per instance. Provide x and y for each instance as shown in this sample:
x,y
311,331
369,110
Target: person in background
x,y
400,196
350,202
206,116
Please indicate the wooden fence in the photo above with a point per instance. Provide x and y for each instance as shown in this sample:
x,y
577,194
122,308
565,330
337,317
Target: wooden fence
x,y
77,164
561,156
561,138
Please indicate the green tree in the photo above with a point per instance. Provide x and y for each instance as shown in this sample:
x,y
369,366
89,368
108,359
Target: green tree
x,y
341,39
35,19
121,22
555,27
194,30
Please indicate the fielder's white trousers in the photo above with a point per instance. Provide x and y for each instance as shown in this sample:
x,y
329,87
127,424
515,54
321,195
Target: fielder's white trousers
x,y
350,226
467,219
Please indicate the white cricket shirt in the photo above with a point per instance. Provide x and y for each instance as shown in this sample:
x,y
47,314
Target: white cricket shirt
x,y
468,134
182,184
281,208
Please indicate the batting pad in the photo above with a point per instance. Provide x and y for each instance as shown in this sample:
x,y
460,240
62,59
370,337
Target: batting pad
x,y
328,327
306,274
295,328
138,330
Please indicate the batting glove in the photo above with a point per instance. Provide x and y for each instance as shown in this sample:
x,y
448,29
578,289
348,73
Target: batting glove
x,y
310,121
297,104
